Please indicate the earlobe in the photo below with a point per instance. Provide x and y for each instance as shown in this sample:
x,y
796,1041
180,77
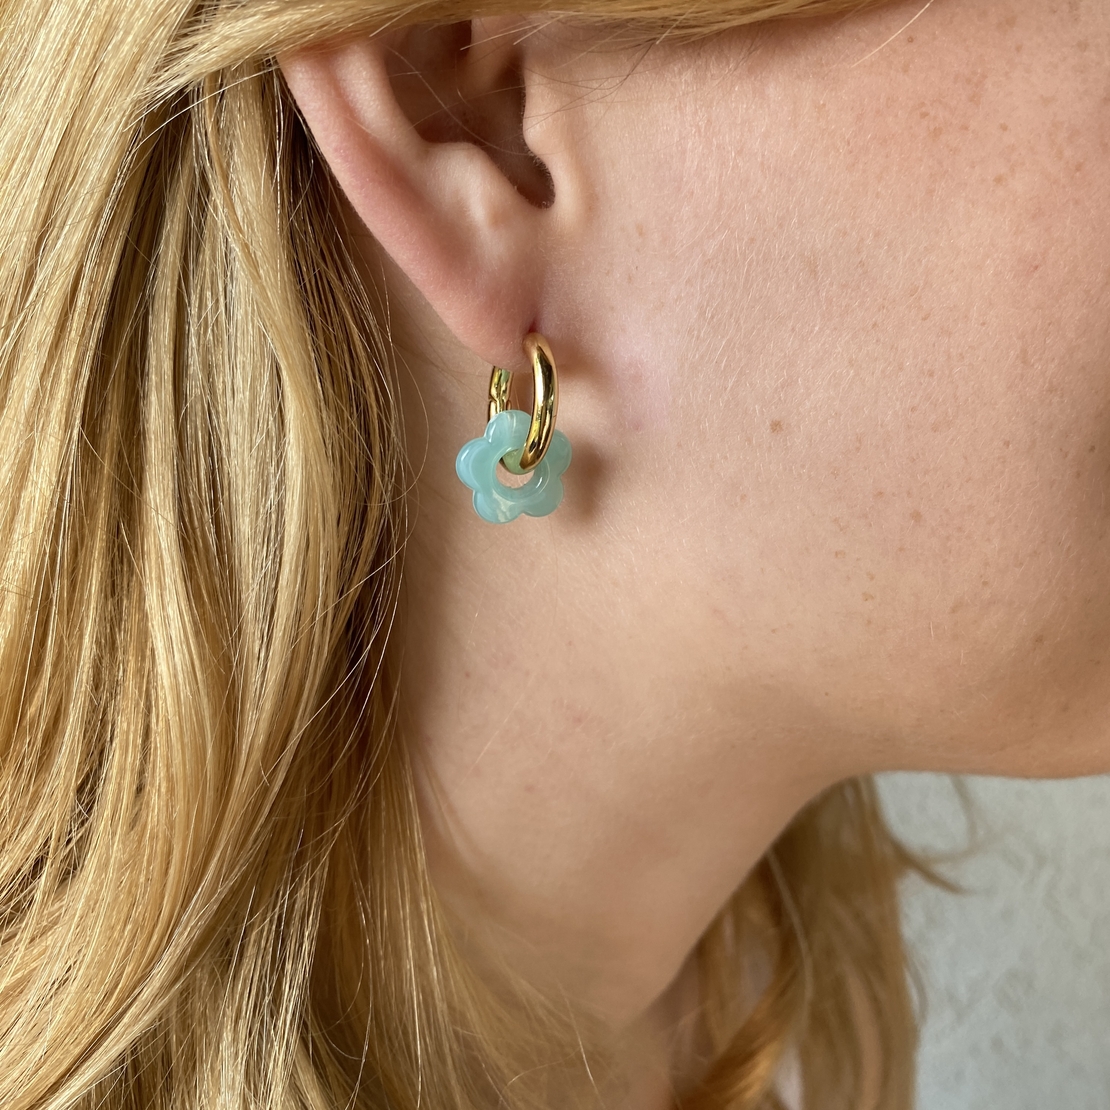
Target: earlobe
x,y
420,128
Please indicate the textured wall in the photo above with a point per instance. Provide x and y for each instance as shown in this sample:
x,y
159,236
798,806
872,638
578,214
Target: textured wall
x,y
1018,970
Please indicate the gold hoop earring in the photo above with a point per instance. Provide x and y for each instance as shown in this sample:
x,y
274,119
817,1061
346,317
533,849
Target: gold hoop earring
x,y
545,404
523,444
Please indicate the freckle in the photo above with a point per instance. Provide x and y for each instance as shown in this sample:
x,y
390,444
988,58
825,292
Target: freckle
x,y
1038,639
923,115
985,582
955,608
909,38
776,426
1000,179
640,230
868,597
1003,127
1083,46
935,133
1090,449
870,577
839,554
1005,443
916,516
879,493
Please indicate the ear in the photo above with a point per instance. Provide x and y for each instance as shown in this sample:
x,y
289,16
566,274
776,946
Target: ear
x,y
423,129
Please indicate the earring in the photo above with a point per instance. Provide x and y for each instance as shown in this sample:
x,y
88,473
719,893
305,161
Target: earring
x,y
521,445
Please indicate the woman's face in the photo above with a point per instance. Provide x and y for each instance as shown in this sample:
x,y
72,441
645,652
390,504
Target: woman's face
x,y
837,350
831,306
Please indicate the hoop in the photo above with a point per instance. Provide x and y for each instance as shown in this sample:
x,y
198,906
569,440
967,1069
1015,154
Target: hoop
x,y
520,443
545,404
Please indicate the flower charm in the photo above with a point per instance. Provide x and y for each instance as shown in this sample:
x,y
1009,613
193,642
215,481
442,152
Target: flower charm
x,y
477,462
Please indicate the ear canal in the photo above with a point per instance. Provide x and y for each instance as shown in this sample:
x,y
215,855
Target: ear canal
x,y
457,89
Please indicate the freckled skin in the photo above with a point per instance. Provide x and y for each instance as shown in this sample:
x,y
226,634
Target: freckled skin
x,y
831,304
898,261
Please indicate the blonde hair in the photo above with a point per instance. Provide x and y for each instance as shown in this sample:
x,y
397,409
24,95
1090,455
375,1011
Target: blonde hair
x,y
212,891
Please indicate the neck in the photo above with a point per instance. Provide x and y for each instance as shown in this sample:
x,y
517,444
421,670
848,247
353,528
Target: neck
x,y
595,785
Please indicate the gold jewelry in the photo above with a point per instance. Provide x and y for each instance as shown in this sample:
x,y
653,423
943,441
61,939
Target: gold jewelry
x,y
522,444
545,403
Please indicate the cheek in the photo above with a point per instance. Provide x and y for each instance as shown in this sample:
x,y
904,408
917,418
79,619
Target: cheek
x,y
963,381
875,346
921,525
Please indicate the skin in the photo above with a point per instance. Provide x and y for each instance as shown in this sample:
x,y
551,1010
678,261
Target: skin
x,y
831,308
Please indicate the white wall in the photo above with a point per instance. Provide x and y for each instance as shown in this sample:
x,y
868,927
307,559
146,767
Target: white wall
x,y
1018,971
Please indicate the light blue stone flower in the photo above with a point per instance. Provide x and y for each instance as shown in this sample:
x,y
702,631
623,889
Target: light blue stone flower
x,y
476,466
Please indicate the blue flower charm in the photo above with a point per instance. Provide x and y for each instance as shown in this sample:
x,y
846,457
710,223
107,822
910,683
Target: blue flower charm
x,y
477,462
